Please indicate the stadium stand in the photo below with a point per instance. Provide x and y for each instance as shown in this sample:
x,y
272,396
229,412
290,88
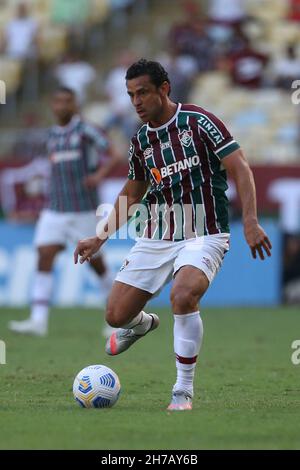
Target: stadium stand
x,y
270,31
198,42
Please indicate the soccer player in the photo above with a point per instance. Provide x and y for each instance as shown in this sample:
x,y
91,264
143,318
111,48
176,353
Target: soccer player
x,y
179,158
80,156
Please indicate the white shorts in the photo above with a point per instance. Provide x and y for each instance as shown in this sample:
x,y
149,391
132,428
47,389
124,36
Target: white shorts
x,y
152,263
59,228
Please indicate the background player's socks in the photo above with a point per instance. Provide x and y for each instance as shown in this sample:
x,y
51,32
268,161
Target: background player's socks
x,y
139,324
41,295
188,333
37,323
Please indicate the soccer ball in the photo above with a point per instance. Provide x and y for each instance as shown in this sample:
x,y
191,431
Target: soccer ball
x,y
96,387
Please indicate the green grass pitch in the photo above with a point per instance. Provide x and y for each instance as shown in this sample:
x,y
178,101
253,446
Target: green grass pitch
x,y
247,389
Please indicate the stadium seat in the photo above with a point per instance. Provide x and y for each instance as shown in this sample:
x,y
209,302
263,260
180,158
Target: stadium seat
x,y
11,71
41,11
268,10
285,32
53,42
97,112
99,10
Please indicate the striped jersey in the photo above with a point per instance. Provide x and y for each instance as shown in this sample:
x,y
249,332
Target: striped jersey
x,y
75,151
182,160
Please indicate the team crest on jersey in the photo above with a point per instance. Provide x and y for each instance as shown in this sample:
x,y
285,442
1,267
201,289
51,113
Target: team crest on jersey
x,y
186,137
148,152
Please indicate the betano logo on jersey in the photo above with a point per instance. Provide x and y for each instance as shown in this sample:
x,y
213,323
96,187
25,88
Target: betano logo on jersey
x,y
65,156
173,168
156,175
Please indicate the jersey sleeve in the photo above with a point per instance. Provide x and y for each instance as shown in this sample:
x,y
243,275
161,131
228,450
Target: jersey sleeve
x,y
137,170
216,135
96,137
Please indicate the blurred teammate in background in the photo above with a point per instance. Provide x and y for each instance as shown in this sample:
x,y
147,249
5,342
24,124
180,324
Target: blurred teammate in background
x,y
182,152
80,157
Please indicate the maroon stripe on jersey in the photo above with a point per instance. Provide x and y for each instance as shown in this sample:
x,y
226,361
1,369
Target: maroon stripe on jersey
x,y
139,171
56,177
152,200
193,108
69,174
206,187
62,178
58,183
186,360
136,145
87,192
186,182
75,198
160,162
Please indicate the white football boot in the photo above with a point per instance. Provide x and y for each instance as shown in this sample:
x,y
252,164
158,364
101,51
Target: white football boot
x,y
181,401
28,327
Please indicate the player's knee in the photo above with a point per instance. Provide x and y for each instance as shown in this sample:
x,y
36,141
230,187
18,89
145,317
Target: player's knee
x,y
183,300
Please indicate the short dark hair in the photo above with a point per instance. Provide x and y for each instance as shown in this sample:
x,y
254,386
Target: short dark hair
x,y
155,70
65,89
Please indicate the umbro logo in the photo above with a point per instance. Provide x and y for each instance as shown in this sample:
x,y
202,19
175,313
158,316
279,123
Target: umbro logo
x,y
148,152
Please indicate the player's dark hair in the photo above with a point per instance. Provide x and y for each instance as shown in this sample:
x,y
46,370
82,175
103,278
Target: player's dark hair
x,y
65,89
155,70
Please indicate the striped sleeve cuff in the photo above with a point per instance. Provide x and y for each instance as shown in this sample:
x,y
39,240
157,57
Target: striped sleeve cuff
x,y
226,149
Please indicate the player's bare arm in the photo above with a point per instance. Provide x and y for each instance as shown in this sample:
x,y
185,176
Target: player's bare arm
x,y
114,158
134,191
238,168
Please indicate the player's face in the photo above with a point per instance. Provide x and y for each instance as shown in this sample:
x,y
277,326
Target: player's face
x,y
147,99
64,106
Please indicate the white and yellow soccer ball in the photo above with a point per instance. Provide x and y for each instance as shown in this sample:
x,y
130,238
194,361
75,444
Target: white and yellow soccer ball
x,y
96,386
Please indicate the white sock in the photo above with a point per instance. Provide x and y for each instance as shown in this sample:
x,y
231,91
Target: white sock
x,y
139,324
188,333
41,295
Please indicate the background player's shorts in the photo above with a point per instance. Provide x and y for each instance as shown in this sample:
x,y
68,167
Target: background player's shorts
x,y
152,263
61,228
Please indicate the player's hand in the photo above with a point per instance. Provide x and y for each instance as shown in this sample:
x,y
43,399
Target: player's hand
x,y
257,240
86,249
92,181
